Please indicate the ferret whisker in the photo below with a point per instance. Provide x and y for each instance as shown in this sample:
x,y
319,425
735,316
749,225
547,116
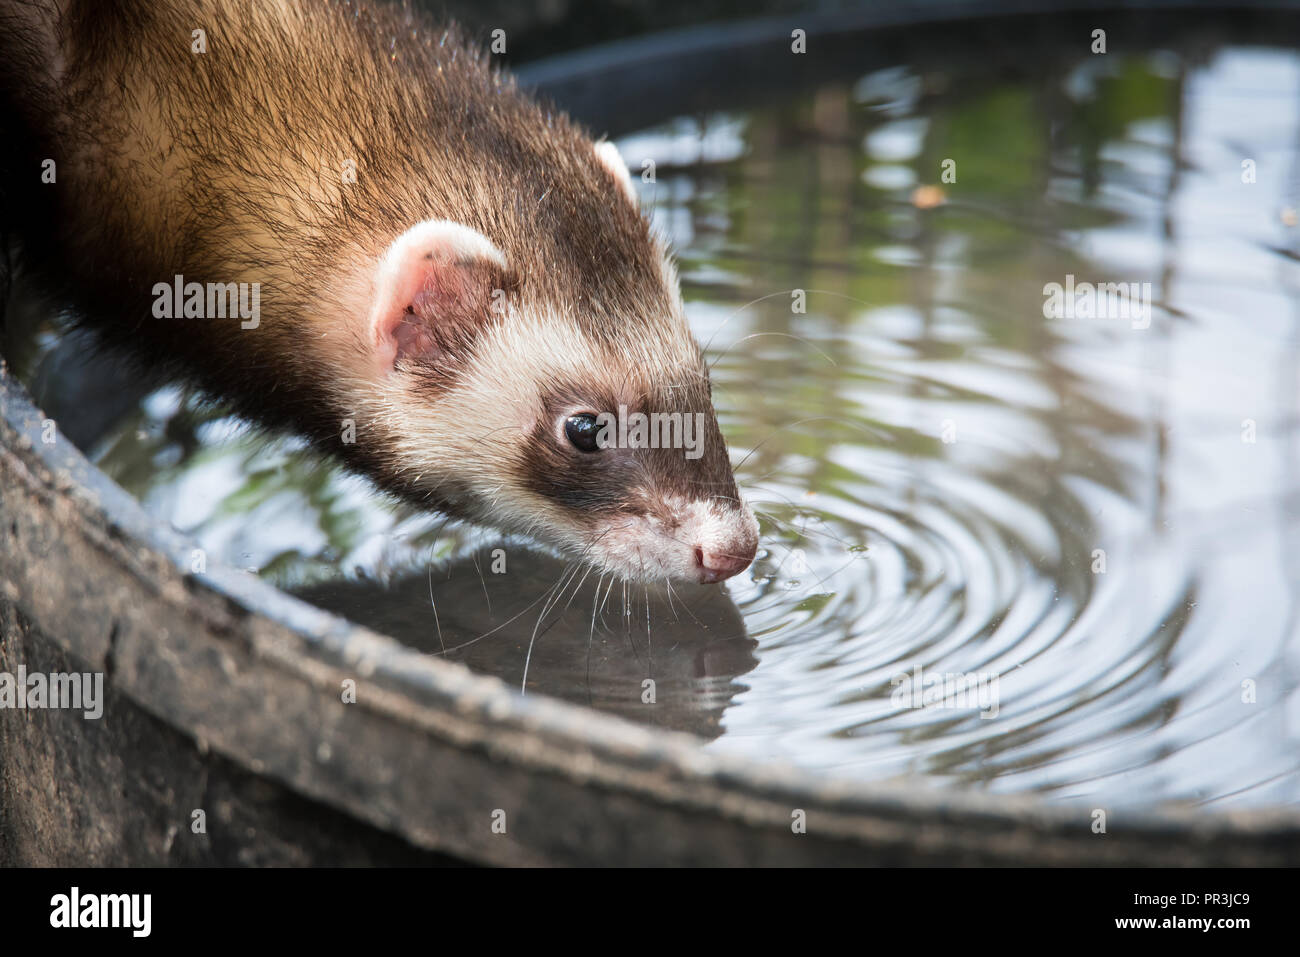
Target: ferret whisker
x,y
791,425
668,583
804,531
786,499
591,633
766,475
752,302
556,592
781,564
821,581
785,335
649,642
578,588
513,618
609,589
627,622
433,604
725,498
695,618
756,505
483,582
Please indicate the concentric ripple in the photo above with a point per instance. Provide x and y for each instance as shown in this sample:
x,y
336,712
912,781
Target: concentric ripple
x,y
907,569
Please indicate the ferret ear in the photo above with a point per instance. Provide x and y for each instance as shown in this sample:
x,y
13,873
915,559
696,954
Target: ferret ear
x,y
436,281
612,160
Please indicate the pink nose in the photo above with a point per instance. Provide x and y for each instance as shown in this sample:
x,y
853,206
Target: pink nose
x,y
714,566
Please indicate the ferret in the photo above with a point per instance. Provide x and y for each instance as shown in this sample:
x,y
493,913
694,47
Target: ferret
x,y
454,285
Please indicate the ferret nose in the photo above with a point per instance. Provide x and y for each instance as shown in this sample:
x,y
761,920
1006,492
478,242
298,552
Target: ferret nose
x,y
715,566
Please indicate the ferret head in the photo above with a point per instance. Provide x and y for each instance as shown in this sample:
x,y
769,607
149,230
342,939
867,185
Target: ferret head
x,y
532,369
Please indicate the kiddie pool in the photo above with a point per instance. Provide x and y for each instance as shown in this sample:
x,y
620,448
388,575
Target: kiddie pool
x,y
224,695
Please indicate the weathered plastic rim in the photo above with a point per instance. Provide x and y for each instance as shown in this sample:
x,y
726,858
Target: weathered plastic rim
x,y
545,738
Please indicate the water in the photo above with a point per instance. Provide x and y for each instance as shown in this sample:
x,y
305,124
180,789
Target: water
x,y
1095,518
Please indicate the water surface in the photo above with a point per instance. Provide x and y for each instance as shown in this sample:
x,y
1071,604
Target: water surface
x,y
1094,517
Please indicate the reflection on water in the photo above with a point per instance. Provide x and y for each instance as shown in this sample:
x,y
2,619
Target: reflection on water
x,y
1095,517
668,658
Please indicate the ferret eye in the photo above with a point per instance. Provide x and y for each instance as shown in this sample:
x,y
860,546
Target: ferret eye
x,y
581,430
